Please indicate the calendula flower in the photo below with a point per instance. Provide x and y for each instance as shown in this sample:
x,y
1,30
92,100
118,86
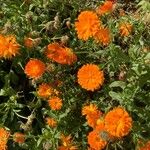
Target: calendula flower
x,y
55,103
45,90
89,109
92,114
125,29
145,146
100,127
8,46
105,8
92,118
118,122
67,143
95,141
90,77
87,25
29,42
19,137
103,36
60,54
34,68
51,122
4,135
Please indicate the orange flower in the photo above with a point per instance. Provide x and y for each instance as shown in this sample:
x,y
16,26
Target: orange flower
x,y
4,135
51,122
105,8
125,29
45,90
118,122
89,109
90,77
95,141
34,68
146,146
55,103
92,114
8,46
29,42
89,148
60,54
100,126
19,137
87,25
67,143
103,36
92,118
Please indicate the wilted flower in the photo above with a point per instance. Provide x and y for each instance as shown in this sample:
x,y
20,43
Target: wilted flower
x,y
19,137
60,54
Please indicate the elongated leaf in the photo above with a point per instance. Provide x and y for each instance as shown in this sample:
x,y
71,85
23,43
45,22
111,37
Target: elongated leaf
x,y
120,84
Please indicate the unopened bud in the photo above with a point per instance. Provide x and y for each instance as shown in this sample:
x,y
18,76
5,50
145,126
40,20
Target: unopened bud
x,y
68,24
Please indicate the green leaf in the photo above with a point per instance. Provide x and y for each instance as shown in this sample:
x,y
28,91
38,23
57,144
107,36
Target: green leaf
x,y
3,92
120,84
39,141
147,56
115,96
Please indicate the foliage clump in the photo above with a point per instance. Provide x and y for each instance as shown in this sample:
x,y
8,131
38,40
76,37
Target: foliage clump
x,y
74,75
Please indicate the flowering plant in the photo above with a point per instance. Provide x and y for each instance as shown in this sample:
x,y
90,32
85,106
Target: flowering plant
x,y
74,75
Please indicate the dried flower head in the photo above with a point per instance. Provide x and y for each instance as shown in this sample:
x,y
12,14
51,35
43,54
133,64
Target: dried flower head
x,y
4,135
105,8
87,25
7,28
55,103
90,77
121,124
34,68
122,12
8,46
29,42
100,126
51,122
19,137
60,54
64,39
125,29
103,36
